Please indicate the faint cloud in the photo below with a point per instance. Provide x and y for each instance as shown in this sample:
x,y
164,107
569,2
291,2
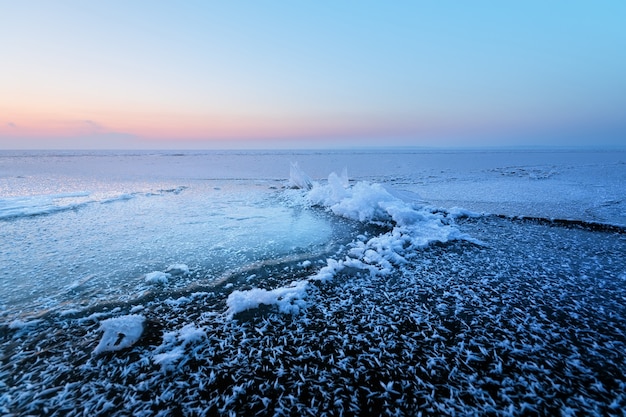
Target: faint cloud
x,y
92,126
12,125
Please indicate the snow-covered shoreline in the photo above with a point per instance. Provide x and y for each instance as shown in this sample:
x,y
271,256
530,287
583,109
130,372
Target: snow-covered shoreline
x,y
515,326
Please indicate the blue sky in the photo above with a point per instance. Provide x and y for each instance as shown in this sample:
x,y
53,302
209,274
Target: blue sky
x,y
152,74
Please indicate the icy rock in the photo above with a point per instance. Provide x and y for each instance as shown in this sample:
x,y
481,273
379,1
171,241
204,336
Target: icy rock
x,y
120,333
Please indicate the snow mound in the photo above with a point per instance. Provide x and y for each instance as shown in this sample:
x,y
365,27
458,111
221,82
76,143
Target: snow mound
x,y
289,299
120,333
177,269
157,277
413,226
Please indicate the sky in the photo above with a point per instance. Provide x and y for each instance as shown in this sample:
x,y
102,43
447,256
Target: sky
x,y
149,74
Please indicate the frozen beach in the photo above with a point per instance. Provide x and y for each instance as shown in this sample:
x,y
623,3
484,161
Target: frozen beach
x,y
279,283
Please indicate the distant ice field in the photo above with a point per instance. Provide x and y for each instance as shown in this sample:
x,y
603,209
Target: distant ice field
x,y
587,185
204,283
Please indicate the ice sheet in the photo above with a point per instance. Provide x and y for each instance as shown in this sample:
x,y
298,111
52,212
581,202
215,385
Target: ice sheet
x,y
575,184
78,256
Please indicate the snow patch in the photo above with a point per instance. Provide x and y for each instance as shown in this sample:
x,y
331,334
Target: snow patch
x,y
177,269
191,334
289,299
168,359
137,308
458,212
157,277
178,302
120,333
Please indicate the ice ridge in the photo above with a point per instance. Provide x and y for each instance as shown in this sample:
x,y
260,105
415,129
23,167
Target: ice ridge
x,y
407,228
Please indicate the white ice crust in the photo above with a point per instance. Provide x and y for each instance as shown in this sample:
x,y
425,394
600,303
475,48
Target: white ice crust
x,y
120,333
41,204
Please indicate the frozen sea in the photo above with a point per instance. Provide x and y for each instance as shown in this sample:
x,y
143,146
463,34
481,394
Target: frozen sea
x,y
388,282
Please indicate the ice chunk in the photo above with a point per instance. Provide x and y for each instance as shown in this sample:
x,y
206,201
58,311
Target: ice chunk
x,y
289,299
328,272
177,269
362,202
458,212
120,333
157,277
298,179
